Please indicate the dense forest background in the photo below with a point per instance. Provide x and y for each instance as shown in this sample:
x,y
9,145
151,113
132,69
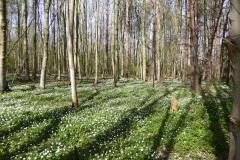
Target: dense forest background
x,y
148,39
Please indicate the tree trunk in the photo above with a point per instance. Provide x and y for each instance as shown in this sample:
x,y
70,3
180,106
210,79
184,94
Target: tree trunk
x,y
59,45
96,44
186,46
34,71
86,39
45,48
218,54
107,35
25,40
116,58
114,41
53,21
127,40
144,50
159,57
64,42
3,45
194,45
70,24
154,48
18,69
233,45
76,34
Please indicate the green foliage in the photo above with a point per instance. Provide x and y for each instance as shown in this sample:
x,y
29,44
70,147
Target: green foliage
x,y
132,121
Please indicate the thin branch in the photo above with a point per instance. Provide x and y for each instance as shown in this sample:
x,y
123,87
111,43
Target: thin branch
x,y
235,7
19,39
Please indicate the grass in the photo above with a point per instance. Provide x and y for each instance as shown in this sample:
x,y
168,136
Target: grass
x,y
132,121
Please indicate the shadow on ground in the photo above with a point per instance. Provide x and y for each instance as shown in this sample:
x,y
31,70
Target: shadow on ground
x,y
121,128
217,107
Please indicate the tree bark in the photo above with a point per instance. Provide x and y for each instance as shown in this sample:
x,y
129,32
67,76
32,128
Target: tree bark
x,y
232,42
144,49
70,24
86,38
154,48
76,35
159,56
114,41
19,54
218,54
45,48
59,44
194,45
186,45
64,41
96,44
107,35
25,40
116,57
34,71
3,45
127,40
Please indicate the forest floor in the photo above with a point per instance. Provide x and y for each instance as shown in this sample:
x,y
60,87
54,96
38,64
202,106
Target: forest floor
x,y
132,121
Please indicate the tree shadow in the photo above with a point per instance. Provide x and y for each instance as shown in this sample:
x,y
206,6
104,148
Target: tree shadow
x,y
26,122
224,102
121,128
91,97
219,141
174,132
54,117
159,135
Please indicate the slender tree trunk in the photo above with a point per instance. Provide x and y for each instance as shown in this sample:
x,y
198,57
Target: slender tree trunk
x,y
122,44
144,50
164,68
59,44
225,28
154,48
186,46
127,40
70,24
3,45
159,41
113,43
86,38
96,44
64,42
233,44
54,67
45,48
18,69
194,45
218,54
107,35
25,40
205,23
116,56
34,71
77,31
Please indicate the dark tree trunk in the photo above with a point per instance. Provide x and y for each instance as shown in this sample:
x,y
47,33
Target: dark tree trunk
x,y
107,35
34,71
194,45
154,49
3,45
